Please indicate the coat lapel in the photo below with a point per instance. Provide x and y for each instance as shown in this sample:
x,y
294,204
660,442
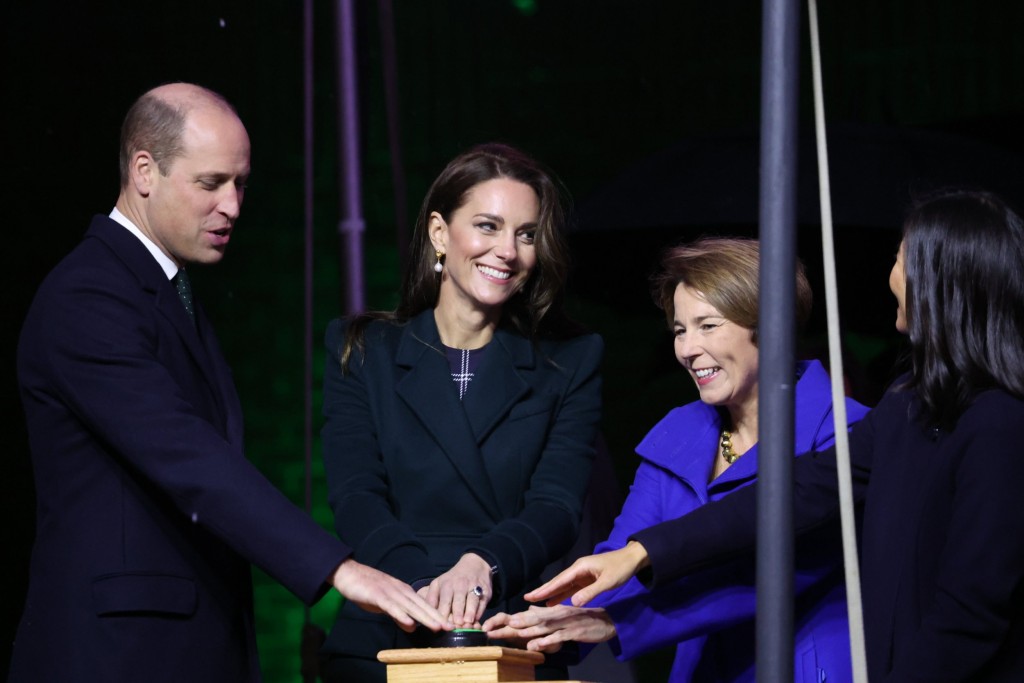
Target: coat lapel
x,y
426,388
695,428
220,376
678,441
210,362
152,279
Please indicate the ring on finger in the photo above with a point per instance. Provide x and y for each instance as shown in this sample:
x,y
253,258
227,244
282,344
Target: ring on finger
x,y
478,592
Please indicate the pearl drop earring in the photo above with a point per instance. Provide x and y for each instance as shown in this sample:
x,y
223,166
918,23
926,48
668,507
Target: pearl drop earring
x,y
437,266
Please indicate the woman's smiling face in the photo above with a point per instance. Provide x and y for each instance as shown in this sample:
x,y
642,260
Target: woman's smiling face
x,y
719,354
488,244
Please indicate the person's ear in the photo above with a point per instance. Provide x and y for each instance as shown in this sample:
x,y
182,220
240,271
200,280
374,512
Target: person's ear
x,y
143,170
437,230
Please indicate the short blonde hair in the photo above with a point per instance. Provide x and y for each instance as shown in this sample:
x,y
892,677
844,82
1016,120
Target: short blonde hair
x,y
725,270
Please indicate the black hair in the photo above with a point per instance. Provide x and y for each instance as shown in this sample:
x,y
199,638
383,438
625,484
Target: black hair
x,y
964,264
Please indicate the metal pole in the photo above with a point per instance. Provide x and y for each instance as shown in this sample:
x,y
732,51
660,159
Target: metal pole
x,y
351,226
777,374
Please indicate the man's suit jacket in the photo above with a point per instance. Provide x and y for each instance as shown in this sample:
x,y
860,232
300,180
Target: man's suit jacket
x,y
416,478
942,564
148,511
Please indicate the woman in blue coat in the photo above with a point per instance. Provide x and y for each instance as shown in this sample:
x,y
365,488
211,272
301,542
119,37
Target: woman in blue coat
x,y
700,452
460,428
936,464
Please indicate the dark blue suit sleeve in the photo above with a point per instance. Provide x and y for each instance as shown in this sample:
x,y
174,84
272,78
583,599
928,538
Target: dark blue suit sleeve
x,y
98,358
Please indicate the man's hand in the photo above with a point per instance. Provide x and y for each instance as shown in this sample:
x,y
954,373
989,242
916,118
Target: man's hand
x,y
544,629
375,591
590,576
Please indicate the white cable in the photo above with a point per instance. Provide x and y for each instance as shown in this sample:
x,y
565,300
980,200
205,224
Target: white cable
x,y
850,561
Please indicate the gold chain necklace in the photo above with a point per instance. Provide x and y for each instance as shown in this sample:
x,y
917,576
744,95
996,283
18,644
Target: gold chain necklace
x,y
726,443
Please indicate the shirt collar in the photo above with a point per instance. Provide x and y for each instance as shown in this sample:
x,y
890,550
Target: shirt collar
x,y
169,267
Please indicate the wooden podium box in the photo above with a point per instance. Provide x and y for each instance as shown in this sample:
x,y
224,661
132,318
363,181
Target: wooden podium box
x,y
487,664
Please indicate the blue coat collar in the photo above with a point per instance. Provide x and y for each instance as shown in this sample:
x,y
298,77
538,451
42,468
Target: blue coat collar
x,y
695,428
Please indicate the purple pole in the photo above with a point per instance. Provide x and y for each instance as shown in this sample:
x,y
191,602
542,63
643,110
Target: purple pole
x,y
351,226
386,22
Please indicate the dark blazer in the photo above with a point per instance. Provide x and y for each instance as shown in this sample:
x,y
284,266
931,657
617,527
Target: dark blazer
x,y
942,564
148,512
416,478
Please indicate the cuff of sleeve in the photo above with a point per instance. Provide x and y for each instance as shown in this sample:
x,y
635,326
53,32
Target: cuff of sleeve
x,y
497,575
646,575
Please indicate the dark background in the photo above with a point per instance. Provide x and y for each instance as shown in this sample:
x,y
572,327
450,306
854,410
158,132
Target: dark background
x,y
647,110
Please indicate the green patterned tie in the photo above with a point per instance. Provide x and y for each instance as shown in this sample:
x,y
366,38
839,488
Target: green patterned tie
x,y
184,288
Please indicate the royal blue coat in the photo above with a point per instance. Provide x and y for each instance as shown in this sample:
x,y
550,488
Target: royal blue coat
x,y
710,618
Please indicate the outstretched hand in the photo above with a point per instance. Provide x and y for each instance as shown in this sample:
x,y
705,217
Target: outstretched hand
x,y
592,575
544,629
375,591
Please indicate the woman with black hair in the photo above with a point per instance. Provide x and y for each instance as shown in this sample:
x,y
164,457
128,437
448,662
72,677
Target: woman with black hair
x,y
937,466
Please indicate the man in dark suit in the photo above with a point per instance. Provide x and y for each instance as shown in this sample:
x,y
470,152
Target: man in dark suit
x,y
148,512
